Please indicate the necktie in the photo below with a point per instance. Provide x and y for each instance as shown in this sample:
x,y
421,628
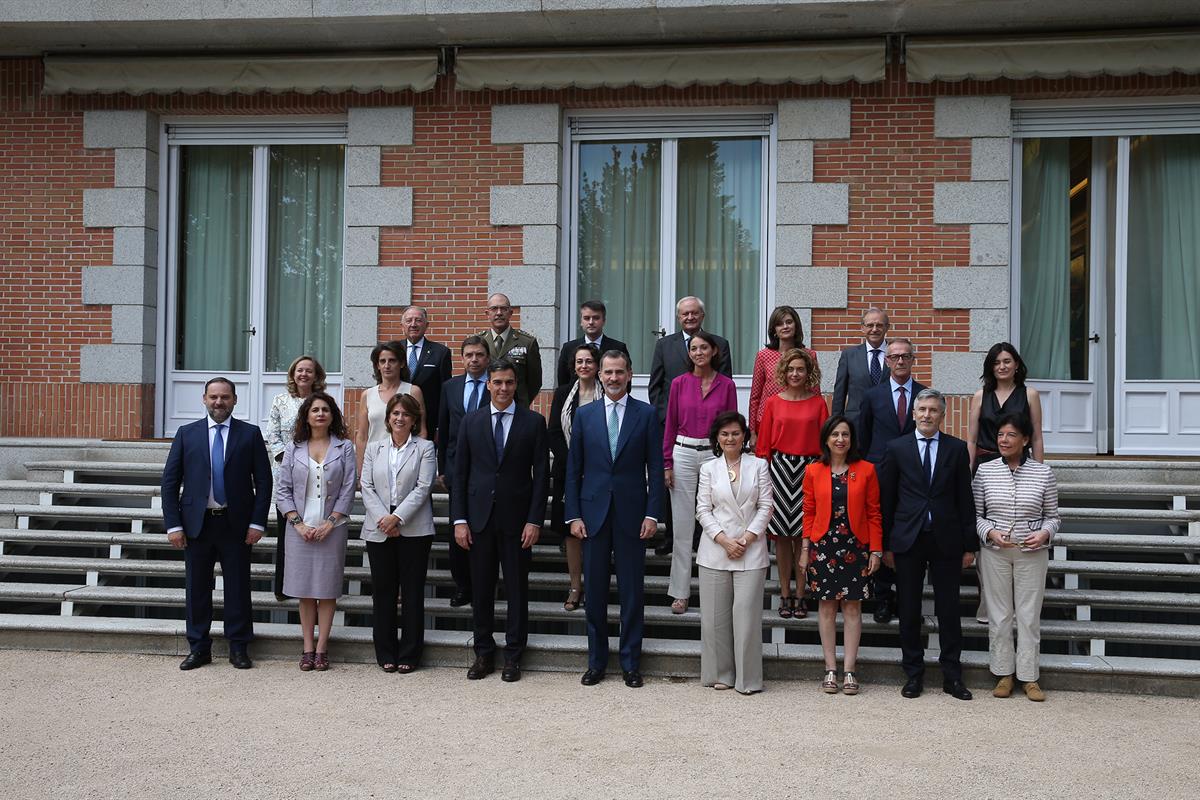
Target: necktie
x,y
902,410
926,462
473,403
876,368
614,430
412,361
497,343
218,466
499,436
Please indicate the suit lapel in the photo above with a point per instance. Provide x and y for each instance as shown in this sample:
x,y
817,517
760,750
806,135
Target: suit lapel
x,y
512,434
939,461
627,424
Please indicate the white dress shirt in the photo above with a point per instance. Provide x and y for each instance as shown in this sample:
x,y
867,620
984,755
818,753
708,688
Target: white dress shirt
x,y
908,395
933,451
620,404
395,455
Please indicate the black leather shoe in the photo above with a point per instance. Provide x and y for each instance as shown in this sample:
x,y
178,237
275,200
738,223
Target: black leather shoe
x,y
196,659
240,659
482,667
460,599
592,677
511,673
912,688
884,612
633,679
958,690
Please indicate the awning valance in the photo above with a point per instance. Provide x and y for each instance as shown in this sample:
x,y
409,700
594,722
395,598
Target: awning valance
x,y
221,74
829,62
1052,56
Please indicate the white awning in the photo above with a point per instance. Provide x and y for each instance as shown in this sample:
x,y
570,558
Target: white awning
x,y
1052,56
223,74
828,62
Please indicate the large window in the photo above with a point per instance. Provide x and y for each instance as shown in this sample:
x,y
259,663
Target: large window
x,y
659,217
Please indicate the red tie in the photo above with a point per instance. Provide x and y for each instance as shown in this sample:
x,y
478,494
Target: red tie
x,y
902,410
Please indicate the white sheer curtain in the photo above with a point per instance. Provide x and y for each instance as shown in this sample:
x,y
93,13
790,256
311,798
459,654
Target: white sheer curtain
x,y
304,255
1046,258
1163,287
213,308
619,238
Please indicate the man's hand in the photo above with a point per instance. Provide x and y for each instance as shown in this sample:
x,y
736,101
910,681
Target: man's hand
x,y
889,559
668,480
462,535
578,529
177,539
968,559
649,528
252,535
529,535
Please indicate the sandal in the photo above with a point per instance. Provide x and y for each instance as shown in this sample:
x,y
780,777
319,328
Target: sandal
x,y
679,606
405,669
388,667
306,661
799,611
574,600
321,662
830,684
849,684
785,607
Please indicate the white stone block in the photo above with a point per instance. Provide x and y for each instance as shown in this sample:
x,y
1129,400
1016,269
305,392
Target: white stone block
x,y
379,206
356,367
134,324
524,205
362,166
120,208
827,360
135,167
525,286
970,287
956,373
821,118
111,129
812,203
542,322
135,247
361,247
971,201
526,124
541,163
539,244
377,286
116,363
991,159
988,326
388,126
793,245
990,245
812,287
795,161
129,285
360,327
966,117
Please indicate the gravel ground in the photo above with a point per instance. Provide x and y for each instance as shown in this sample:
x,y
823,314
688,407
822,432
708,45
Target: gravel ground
x,y
129,726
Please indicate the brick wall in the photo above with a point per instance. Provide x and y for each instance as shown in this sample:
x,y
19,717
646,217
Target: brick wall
x,y
890,246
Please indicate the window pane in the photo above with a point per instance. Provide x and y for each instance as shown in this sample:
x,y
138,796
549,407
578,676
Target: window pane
x,y
1163,292
304,256
619,219
719,238
214,259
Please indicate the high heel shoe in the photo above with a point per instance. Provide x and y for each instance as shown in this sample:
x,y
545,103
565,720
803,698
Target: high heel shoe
x,y
574,600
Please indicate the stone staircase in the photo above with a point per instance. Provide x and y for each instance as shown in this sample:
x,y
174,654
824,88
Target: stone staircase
x,y
85,565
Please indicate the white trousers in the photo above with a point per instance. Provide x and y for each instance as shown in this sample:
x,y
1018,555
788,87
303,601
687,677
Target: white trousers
x,y
683,517
1014,585
731,645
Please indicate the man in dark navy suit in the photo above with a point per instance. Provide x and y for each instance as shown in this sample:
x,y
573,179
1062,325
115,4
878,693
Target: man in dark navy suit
x,y
498,504
428,365
461,395
614,496
592,316
222,466
928,524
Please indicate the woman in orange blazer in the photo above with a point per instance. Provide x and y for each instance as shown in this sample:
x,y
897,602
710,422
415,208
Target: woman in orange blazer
x,y
843,543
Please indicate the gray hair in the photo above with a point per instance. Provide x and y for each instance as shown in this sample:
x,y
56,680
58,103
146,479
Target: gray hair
x,y
912,348
930,394
876,310
683,300
424,313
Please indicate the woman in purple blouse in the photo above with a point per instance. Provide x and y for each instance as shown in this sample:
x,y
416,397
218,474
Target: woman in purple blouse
x,y
695,400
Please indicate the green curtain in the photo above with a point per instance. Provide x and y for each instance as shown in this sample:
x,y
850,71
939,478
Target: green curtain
x,y
213,303
618,230
304,255
1046,258
719,238
1163,285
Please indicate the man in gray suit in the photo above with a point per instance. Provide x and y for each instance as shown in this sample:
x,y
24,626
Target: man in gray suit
x,y
862,366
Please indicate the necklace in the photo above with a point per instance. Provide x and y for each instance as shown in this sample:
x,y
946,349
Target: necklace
x,y
731,471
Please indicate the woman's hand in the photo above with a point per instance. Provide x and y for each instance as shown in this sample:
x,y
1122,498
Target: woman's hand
x,y
733,548
389,525
804,554
1035,540
999,538
669,478
321,531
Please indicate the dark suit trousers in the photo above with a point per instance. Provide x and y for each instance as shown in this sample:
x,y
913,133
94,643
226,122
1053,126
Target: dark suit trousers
x,y
945,574
398,569
492,548
217,543
460,567
883,583
603,550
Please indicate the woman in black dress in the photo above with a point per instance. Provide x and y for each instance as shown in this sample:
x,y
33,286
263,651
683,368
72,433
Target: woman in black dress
x,y
1004,392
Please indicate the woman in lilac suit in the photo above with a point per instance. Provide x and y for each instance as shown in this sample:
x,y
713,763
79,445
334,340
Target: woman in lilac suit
x,y
315,492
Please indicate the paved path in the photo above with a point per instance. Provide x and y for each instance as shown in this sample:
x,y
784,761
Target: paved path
x,y
126,726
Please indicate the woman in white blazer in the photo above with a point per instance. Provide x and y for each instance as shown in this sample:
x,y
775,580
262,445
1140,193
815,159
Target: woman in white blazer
x,y
396,480
733,505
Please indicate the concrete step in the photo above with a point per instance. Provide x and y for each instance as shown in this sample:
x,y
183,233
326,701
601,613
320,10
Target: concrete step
x,y
1142,543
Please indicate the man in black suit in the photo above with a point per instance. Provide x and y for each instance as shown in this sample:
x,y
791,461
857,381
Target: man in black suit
x,y
221,464
862,366
885,414
428,364
929,524
592,316
461,395
502,457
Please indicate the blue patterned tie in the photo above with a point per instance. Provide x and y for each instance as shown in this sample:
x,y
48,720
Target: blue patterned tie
x,y
473,403
412,361
614,430
499,436
876,368
218,467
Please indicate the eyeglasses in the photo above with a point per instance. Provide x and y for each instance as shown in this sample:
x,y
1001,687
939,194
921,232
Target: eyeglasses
x,y
499,308
901,357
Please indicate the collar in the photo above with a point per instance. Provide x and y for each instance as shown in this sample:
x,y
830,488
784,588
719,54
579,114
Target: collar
x,y
595,341
468,377
937,435
882,348
907,385
213,423
419,344
502,334
512,408
392,444
609,402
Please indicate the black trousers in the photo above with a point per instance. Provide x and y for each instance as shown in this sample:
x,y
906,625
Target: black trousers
x,y
217,543
460,567
492,548
883,584
945,573
280,528
398,569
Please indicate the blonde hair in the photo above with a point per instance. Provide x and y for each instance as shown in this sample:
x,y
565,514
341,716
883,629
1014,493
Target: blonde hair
x,y
318,375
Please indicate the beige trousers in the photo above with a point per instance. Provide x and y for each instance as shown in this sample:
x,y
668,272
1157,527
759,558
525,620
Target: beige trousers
x,y
731,645
1014,585
683,517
